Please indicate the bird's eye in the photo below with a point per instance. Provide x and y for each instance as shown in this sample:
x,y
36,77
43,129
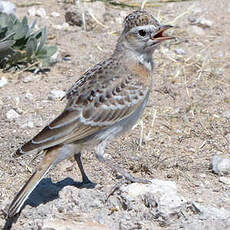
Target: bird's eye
x,y
142,33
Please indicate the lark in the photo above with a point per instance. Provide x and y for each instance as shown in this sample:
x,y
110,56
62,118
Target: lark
x,y
105,102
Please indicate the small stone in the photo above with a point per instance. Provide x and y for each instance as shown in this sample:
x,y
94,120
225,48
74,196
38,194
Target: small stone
x,y
30,78
64,26
41,12
197,30
164,196
32,12
29,96
226,114
55,14
28,124
17,100
179,51
1,104
56,94
12,114
55,57
220,165
204,23
7,7
225,180
3,82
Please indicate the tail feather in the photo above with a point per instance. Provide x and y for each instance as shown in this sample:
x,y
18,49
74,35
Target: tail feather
x,y
26,190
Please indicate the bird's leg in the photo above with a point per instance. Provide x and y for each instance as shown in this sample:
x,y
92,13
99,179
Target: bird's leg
x,y
85,179
100,156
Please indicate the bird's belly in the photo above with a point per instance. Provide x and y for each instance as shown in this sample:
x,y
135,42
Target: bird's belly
x,y
122,126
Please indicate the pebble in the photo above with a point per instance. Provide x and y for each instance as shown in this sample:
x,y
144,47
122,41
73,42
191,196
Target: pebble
x,y
179,51
12,114
1,103
41,12
32,11
225,180
164,193
203,22
55,14
29,96
7,7
30,78
64,26
220,165
226,114
56,94
197,30
3,82
28,124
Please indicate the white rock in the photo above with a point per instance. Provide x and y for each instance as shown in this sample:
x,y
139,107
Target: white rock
x,y
12,114
31,78
165,193
179,51
1,103
226,114
17,100
204,22
220,165
209,212
7,7
197,30
62,224
3,82
28,124
64,26
56,94
32,11
225,180
55,57
29,96
55,14
41,12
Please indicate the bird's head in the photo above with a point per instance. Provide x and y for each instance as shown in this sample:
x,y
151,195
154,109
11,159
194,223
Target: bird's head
x,y
142,33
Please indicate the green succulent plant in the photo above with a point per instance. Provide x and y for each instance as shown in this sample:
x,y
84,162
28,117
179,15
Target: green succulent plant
x,y
20,46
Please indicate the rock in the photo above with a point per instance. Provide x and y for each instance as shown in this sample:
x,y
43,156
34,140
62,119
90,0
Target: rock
x,y
40,12
225,180
29,96
7,7
56,94
65,26
209,212
159,194
12,114
28,124
179,51
204,23
32,12
1,103
226,114
60,224
3,82
197,30
55,57
220,165
31,78
55,14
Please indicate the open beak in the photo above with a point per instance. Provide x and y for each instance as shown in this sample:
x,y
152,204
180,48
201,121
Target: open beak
x,y
159,36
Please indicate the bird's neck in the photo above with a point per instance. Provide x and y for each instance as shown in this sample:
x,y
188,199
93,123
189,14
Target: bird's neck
x,y
128,55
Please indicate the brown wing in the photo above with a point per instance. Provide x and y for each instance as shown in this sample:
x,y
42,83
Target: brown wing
x,y
94,102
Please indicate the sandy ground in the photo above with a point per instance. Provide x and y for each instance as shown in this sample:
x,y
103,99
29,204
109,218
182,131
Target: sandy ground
x,y
184,124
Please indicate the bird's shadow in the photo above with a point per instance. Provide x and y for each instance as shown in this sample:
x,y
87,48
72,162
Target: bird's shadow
x,y
46,191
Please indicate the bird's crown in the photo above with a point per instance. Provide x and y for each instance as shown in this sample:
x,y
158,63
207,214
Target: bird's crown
x,y
139,18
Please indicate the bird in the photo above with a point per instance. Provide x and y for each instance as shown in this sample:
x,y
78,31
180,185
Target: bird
x,y
105,102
